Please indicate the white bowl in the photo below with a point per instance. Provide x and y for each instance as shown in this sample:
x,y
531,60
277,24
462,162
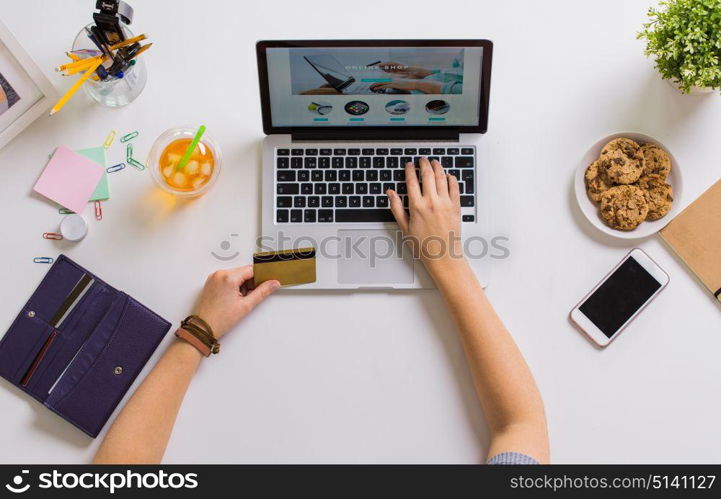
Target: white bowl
x,y
590,209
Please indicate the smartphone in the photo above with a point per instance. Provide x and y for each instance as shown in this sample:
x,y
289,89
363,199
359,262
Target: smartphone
x,y
619,297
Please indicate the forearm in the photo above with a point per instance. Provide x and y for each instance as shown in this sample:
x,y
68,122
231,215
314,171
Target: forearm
x,y
141,431
503,381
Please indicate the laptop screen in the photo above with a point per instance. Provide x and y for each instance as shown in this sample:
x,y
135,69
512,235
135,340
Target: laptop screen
x,y
383,86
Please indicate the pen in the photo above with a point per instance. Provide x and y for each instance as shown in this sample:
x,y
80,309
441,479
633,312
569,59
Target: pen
x,y
129,52
142,49
101,72
373,63
95,41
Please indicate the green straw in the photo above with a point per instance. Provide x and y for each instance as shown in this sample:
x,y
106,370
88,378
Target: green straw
x,y
191,148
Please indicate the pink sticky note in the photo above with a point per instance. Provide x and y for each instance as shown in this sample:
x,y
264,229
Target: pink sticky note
x,y
69,179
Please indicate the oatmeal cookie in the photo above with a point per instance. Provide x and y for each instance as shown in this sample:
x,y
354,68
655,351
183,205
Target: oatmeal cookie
x,y
596,182
656,161
622,161
658,194
623,207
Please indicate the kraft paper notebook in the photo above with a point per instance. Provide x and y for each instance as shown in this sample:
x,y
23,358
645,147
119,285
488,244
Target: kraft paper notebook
x,y
695,236
78,344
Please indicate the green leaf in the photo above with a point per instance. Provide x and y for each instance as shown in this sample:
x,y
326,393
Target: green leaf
x,y
684,38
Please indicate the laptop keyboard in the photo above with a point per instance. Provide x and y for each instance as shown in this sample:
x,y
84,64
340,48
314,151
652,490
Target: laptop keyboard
x,y
348,185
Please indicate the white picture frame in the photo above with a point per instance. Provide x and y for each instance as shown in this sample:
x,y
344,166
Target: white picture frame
x,y
25,92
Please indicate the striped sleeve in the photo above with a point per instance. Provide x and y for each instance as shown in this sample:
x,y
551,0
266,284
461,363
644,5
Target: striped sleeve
x,y
511,458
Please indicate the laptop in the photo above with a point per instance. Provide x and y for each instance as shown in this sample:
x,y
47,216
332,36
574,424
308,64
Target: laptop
x,y
333,147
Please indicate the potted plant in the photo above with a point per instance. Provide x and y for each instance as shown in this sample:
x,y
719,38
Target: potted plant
x,y
684,37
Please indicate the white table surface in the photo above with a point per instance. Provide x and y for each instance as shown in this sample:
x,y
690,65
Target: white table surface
x,y
381,377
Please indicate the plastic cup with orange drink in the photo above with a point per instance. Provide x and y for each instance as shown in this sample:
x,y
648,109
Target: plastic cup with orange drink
x,y
199,172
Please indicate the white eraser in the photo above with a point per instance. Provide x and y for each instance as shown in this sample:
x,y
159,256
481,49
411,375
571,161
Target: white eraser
x,y
73,227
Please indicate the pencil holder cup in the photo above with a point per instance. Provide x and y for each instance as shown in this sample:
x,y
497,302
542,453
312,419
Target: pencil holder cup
x,y
114,91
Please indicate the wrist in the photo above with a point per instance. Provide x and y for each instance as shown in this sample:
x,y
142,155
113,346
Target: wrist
x,y
448,269
186,351
441,255
217,326
196,332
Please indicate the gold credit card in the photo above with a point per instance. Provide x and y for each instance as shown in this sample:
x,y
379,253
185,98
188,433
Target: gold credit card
x,y
293,266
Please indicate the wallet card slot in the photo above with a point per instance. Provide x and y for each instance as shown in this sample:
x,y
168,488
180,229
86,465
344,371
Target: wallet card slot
x,y
72,300
74,334
38,359
87,304
90,350
21,344
107,366
49,357
54,289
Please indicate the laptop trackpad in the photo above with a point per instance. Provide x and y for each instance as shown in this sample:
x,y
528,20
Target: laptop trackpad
x,y
373,257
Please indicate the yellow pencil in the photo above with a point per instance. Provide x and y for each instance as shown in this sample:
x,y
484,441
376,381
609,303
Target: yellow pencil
x,y
65,98
79,64
77,69
74,64
142,49
73,56
127,42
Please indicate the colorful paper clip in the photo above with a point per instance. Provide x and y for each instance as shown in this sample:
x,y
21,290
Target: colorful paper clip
x,y
109,140
137,164
52,235
129,152
129,136
98,210
115,168
43,259
65,211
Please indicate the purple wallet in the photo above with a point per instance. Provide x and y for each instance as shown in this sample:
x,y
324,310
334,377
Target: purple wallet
x,y
78,345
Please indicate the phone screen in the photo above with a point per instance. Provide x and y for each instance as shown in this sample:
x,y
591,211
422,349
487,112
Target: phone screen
x,y
619,297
